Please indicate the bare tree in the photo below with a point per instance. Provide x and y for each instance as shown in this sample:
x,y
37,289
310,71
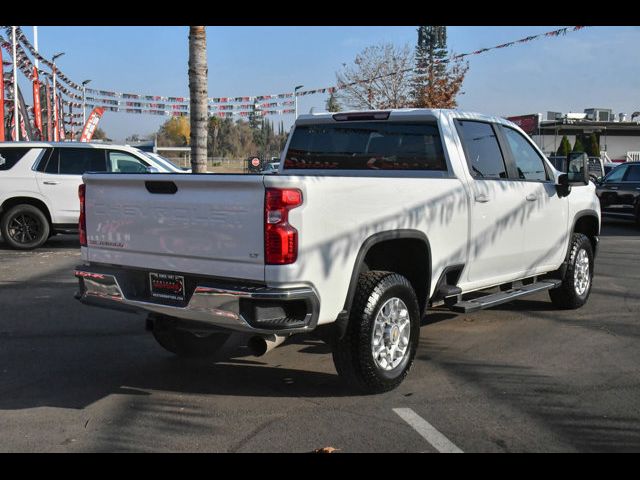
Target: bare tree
x,y
441,89
198,98
379,78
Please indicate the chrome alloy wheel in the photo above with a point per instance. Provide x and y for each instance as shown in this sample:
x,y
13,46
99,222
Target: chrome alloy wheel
x,y
581,277
391,331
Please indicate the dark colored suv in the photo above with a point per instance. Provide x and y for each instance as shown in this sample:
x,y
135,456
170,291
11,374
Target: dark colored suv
x,y
619,192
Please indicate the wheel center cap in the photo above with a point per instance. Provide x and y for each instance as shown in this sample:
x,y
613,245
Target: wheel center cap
x,y
392,334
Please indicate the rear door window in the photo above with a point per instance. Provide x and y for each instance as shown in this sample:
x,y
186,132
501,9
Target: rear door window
x,y
366,146
634,174
616,174
10,156
482,150
76,161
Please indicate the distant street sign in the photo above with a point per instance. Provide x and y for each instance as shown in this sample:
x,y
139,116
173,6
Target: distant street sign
x,y
255,162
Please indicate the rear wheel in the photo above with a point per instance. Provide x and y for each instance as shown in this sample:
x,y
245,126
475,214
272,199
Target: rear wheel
x,y
24,227
184,343
576,283
378,348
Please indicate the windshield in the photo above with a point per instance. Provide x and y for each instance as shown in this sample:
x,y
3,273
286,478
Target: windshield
x,y
165,162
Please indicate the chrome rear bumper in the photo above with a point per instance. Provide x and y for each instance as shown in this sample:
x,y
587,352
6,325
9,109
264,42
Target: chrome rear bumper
x,y
227,306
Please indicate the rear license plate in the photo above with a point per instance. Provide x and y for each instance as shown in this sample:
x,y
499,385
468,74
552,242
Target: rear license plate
x,y
166,285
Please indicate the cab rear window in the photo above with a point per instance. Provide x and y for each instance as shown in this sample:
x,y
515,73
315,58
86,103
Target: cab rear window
x,y
366,146
10,156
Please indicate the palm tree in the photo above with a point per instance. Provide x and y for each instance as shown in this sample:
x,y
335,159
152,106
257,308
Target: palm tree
x,y
198,98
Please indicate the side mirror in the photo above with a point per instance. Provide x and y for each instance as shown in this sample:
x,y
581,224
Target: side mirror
x,y
563,187
578,168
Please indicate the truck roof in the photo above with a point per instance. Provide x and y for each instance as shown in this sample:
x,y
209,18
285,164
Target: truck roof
x,y
404,113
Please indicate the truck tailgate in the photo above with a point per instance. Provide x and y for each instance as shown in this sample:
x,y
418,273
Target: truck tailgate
x,y
200,224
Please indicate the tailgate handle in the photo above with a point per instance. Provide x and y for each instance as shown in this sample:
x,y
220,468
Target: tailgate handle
x,y
161,187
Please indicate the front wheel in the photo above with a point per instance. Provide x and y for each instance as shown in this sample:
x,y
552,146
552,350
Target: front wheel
x,y
576,282
24,227
378,348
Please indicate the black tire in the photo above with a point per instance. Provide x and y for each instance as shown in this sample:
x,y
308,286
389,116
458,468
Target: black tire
x,y
352,355
24,227
567,296
183,343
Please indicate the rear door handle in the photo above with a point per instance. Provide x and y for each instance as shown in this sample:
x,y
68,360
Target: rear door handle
x,y
531,197
482,198
613,188
49,182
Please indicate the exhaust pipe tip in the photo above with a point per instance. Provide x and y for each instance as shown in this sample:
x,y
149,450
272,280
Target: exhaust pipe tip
x,y
260,345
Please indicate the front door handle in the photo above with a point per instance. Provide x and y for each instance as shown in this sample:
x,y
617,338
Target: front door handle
x,y
531,197
482,198
613,188
49,182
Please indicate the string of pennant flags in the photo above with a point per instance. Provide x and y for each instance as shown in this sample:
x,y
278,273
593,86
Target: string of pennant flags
x,y
71,94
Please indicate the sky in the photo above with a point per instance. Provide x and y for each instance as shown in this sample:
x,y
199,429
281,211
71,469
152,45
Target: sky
x,y
592,67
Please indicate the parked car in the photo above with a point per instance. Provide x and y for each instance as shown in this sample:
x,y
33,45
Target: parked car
x,y
272,167
377,217
619,192
39,184
596,165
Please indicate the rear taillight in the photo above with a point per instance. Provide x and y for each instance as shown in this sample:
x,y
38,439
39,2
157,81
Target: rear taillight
x,y
280,238
82,223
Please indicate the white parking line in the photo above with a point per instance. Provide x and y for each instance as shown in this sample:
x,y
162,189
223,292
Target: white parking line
x,y
428,431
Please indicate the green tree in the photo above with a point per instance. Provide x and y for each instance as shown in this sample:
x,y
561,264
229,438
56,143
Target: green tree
x,y
332,104
578,147
565,147
593,148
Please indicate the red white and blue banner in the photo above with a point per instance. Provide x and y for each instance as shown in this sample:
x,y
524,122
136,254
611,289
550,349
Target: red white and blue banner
x,y
225,107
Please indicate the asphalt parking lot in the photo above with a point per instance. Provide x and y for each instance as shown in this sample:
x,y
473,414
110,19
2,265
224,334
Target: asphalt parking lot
x,y
521,377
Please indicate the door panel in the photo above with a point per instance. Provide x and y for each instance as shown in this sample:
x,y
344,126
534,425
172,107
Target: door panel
x,y
61,177
545,214
497,215
610,190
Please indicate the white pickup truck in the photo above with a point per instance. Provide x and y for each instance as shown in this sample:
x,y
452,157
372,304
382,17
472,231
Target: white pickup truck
x,y
373,218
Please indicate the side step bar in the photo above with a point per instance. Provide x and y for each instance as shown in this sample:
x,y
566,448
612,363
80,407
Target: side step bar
x,y
491,300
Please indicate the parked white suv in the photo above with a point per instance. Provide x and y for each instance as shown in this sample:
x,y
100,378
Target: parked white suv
x,y
39,184
374,217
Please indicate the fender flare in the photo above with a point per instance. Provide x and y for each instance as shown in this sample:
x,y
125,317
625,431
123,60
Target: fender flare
x,y
379,237
580,214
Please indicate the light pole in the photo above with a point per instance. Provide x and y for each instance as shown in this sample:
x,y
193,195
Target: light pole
x,y
56,131
35,44
295,98
84,85
16,113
